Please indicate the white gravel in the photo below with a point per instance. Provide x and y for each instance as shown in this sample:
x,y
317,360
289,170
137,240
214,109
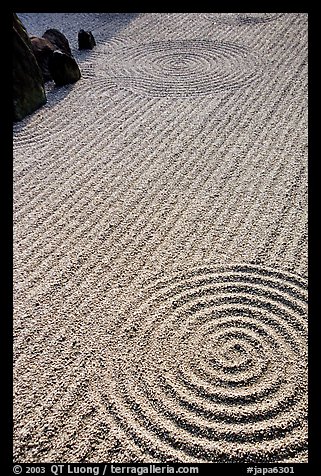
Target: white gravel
x,y
160,244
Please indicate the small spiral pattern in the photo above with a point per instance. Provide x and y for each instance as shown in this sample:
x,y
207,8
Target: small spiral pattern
x,y
212,366
238,19
258,17
179,68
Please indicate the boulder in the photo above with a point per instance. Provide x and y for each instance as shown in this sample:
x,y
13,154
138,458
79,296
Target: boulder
x,y
58,40
86,40
28,85
63,68
43,50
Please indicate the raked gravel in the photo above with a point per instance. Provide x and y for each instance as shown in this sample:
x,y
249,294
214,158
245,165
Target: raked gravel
x,y
160,244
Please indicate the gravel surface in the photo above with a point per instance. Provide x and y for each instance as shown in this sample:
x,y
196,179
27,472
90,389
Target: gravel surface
x,y
160,244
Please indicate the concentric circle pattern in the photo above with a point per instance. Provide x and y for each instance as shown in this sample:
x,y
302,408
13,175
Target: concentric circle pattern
x,y
182,67
211,365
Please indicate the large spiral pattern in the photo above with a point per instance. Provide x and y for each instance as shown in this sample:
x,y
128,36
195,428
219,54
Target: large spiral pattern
x,y
179,68
211,365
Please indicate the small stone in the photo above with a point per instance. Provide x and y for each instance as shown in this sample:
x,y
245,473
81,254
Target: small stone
x,y
86,40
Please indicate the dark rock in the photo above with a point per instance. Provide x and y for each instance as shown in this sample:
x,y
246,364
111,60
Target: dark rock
x,y
60,67
43,50
28,85
63,68
58,40
86,40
